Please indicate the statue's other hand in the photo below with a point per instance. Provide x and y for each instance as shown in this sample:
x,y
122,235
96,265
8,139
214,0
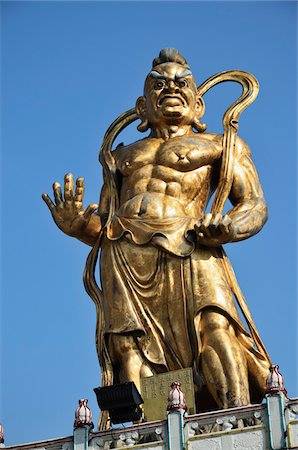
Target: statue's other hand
x,y
68,212
214,230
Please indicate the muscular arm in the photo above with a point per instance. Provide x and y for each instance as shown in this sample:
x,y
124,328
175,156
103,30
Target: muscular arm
x,y
249,212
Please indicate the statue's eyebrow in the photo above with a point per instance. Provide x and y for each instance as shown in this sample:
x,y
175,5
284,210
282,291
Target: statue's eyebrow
x,y
155,74
163,76
185,73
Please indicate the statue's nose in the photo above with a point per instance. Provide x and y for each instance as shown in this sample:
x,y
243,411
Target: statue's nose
x,y
172,86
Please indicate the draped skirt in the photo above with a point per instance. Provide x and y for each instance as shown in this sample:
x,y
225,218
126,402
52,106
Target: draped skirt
x,y
155,296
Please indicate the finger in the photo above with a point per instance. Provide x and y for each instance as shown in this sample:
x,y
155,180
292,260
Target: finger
x,y
199,228
197,225
227,220
207,220
198,231
216,219
57,193
68,187
213,226
48,202
79,192
204,228
90,210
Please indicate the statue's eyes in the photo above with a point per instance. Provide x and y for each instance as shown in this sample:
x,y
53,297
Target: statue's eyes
x,y
159,84
182,83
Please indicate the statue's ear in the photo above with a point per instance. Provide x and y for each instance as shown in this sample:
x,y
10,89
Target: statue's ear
x,y
141,106
200,110
141,112
200,107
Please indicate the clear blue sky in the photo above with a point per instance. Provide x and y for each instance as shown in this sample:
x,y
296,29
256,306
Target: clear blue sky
x,y
69,69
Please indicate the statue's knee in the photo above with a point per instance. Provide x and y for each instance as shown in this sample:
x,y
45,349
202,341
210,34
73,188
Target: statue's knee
x,y
213,322
122,345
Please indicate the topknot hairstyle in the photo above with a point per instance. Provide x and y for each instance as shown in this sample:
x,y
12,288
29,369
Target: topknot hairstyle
x,y
169,55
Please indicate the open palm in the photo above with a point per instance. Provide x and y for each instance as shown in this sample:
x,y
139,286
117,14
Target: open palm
x,y
68,212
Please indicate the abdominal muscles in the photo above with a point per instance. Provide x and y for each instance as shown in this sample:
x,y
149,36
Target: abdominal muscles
x,y
152,205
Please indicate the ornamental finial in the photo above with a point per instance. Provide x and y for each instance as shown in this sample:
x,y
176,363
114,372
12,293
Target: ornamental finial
x,y
275,381
176,398
83,415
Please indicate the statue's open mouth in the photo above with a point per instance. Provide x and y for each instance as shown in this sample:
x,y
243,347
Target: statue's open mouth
x,y
172,99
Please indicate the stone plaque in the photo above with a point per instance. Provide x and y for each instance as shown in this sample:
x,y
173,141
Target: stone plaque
x,y
155,390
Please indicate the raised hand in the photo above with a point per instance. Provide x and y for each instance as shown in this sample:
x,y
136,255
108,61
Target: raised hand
x,y
68,212
214,230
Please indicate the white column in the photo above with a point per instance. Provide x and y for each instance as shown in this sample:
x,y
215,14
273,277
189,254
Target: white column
x,y
276,420
175,430
80,437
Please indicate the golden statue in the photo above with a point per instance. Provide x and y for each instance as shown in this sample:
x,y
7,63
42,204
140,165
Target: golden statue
x,y
169,298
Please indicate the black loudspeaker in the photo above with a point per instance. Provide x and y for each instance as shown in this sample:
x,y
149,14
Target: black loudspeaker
x,y
121,400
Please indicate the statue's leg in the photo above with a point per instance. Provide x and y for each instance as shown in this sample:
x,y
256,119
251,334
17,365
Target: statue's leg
x,y
126,355
259,371
222,360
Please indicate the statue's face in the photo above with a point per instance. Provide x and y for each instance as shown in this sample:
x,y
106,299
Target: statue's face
x,y
170,95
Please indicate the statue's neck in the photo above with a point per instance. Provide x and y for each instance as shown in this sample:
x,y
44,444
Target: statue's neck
x,y
169,131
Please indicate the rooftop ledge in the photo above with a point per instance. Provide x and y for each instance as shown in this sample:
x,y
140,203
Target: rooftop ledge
x,y
270,425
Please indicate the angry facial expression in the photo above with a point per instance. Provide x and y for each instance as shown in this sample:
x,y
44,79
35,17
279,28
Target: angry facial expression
x,y
170,95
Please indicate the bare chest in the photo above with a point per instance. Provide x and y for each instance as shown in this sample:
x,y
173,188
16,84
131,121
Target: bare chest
x,y
187,154
180,154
